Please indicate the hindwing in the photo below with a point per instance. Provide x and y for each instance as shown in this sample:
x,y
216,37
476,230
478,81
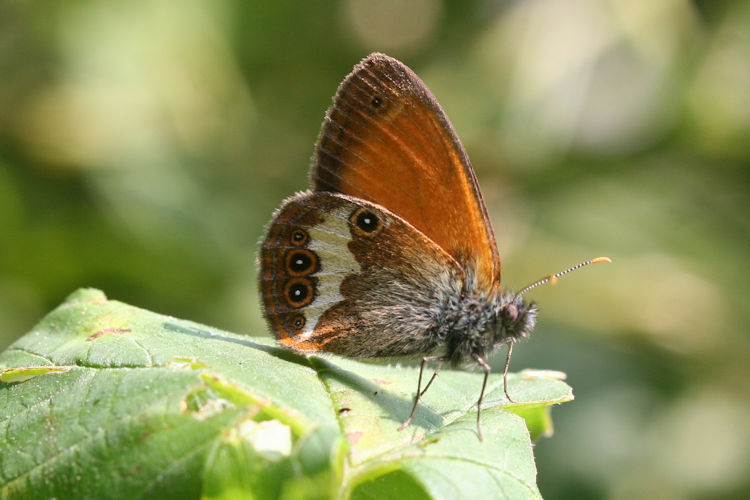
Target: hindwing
x,y
344,275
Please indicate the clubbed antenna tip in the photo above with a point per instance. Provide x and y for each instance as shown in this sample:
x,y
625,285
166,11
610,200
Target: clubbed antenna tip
x,y
552,279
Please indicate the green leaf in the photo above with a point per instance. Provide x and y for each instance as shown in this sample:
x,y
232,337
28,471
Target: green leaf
x,y
102,399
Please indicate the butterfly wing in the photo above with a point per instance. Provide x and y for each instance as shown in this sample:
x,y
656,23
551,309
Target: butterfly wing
x,y
387,140
342,275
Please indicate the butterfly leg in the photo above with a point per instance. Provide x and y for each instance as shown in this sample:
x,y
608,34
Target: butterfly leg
x,y
434,374
421,391
505,373
487,370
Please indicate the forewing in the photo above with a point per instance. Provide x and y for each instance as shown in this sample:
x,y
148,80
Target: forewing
x,y
342,275
387,140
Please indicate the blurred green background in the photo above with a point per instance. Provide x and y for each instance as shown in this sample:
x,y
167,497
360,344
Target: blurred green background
x,y
144,145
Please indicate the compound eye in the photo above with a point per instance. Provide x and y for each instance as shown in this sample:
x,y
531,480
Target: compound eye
x,y
510,313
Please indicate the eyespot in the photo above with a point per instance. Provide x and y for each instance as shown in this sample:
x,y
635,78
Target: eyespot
x,y
365,222
299,292
298,237
379,104
301,262
297,323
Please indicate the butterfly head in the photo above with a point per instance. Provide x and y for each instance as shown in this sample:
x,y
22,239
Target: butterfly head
x,y
515,318
482,320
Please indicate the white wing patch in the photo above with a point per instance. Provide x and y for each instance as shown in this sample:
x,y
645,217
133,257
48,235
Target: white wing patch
x,y
329,240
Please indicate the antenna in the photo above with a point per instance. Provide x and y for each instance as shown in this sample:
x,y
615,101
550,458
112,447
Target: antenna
x,y
552,279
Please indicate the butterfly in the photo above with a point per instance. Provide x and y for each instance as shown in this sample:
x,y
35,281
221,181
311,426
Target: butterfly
x,y
391,253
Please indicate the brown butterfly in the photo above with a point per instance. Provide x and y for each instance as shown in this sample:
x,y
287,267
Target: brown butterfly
x,y
392,252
